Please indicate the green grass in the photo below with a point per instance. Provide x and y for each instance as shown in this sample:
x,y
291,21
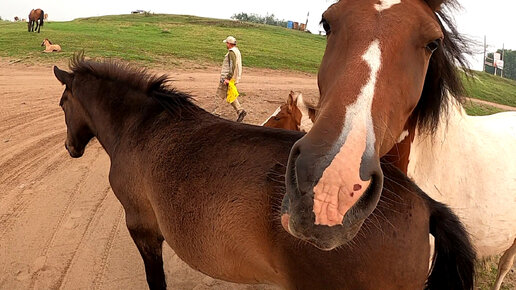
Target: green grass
x,y
486,275
158,39
474,109
491,88
165,39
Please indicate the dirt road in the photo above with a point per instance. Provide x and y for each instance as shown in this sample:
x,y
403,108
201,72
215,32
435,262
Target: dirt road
x,y
60,224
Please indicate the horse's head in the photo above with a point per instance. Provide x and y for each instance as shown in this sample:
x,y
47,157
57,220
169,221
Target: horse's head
x,y
78,123
44,43
371,80
288,116
294,115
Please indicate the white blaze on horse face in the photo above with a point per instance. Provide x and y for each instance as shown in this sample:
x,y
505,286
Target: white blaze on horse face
x,y
273,114
386,4
340,185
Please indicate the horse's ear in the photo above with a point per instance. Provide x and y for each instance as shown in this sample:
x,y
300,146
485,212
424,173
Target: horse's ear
x,y
435,4
64,77
290,101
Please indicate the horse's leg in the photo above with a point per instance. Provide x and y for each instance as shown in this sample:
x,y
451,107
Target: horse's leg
x,y
505,265
37,25
148,238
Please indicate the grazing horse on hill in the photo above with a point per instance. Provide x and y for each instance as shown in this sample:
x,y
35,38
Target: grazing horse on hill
x,y
385,62
213,190
36,16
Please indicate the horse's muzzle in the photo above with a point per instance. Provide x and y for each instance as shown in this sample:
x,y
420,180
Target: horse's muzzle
x,y
74,153
298,217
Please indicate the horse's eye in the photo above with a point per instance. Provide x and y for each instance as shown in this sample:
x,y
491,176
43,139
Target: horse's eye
x,y
434,45
326,26
276,118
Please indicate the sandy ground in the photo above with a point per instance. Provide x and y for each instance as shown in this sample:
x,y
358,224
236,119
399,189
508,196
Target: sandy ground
x,y
60,224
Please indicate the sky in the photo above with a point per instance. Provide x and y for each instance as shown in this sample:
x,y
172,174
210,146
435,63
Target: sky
x,y
472,20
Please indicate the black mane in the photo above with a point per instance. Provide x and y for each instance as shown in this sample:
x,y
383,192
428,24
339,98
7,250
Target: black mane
x,y
139,79
442,78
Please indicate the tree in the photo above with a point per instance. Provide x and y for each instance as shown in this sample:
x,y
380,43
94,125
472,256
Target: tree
x,y
255,18
509,66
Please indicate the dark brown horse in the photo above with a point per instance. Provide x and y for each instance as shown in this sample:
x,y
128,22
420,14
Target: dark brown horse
x,y
213,190
36,16
386,62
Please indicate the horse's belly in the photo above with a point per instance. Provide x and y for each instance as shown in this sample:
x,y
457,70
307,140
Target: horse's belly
x,y
222,250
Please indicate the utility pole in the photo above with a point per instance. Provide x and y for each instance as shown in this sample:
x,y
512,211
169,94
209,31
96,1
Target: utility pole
x,y
484,60
503,59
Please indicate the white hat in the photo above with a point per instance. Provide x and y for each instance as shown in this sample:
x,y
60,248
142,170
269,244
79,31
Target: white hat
x,y
230,39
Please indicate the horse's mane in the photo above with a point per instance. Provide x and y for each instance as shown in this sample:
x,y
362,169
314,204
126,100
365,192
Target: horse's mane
x,y
442,78
49,42
139,79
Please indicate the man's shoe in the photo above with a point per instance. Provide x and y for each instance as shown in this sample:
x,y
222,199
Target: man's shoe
x,y
241,116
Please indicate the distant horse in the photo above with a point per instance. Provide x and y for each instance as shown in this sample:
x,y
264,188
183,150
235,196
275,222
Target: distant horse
x,y
16,19
386,61
49,46
46,16
213,189
293,115
35,17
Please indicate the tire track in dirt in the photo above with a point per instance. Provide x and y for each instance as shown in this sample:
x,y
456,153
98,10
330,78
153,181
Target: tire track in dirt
x,y
76,191
62,279
97,282
20,123
17,165
23,198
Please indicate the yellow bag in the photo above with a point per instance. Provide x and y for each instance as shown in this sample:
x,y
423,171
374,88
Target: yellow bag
x,y
232,92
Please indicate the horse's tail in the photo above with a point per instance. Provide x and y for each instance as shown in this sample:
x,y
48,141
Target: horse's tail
x,y
454,258
41,17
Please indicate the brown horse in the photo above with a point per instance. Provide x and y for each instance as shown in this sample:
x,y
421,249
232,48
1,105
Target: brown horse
x,y
386,62
293,115
36,16
213,189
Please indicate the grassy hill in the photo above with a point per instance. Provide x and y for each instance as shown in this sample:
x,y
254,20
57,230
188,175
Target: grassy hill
x,y
491,88
157,39
166,39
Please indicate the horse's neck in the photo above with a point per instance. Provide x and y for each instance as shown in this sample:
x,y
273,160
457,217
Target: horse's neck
x,y
111,120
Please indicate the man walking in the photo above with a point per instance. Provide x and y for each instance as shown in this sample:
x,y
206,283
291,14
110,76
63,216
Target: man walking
x,y
231,71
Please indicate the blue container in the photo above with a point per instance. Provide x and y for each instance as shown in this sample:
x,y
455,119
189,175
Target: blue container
x,y
290,24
